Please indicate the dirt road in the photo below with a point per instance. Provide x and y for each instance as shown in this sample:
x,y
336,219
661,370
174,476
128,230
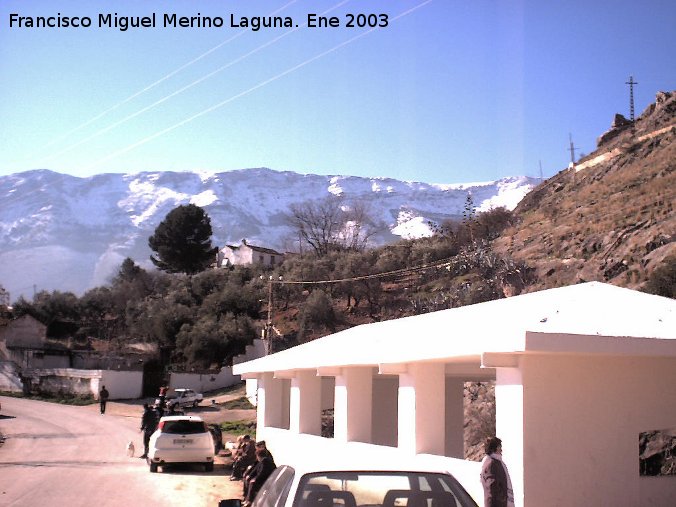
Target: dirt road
x,y
71,456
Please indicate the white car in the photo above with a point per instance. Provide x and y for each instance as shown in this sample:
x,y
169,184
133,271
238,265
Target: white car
x,y
181,439
379,486
183,398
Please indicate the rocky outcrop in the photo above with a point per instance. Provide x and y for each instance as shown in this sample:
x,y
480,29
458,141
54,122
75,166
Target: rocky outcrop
x,y
619,125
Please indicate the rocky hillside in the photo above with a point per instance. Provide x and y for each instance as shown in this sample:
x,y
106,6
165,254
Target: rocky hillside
x,y
610,217
59,232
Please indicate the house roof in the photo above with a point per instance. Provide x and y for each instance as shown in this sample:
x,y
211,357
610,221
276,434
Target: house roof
x,y
589,318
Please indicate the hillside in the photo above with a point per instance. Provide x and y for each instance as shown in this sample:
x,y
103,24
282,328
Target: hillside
x,y
611,219
59,232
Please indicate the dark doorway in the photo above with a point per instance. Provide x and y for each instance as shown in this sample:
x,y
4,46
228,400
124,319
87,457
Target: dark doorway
x,y
153,378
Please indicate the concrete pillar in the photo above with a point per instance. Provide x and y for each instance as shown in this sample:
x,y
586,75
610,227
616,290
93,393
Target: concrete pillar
x,y
421,409
509,425
272,403
305,403
352,411
455,418
385,396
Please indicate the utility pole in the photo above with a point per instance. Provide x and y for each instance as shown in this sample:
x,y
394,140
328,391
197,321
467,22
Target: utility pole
x,y
541,177
631,84
268,324
572,149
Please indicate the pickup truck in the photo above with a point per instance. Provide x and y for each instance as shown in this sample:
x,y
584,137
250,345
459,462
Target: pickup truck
x,y
183,398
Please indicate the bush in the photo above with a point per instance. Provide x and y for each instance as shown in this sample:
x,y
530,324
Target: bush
x,y
239,427
662,281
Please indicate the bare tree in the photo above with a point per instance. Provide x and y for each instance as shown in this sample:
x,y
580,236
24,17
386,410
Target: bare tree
x,y
332,224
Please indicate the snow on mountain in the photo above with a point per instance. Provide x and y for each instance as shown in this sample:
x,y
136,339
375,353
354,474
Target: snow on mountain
x,y
60,232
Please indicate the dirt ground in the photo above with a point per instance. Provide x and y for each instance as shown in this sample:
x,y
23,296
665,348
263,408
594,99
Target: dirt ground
x,y
212,488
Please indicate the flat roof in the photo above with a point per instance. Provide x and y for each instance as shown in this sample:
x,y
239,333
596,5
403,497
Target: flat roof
x,y
592,317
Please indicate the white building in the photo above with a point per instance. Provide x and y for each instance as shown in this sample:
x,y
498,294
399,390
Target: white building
x,y
231,255
580,372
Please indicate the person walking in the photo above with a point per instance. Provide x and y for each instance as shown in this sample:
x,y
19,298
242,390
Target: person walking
x,y
148,427
103,399
495,476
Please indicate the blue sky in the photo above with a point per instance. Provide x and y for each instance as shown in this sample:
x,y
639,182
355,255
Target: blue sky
x,y
454,91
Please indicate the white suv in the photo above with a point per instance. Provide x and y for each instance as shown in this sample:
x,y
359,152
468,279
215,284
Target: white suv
x,y
181,439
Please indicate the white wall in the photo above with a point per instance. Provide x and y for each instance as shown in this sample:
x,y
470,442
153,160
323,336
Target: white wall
x,y
203,382
122,385
581,424
224,378
9,377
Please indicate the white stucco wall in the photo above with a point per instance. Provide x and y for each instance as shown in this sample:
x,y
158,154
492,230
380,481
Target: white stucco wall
x,y
9,377
582,419
203,382
122,385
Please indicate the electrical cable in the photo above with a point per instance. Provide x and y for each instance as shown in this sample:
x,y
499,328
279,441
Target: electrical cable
x,y
189,119
161,80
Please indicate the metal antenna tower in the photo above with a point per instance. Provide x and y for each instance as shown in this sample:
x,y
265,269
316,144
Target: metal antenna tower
x,y
631,84
572,149
541,178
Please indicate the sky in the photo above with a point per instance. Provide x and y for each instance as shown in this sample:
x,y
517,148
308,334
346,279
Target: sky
x,y
449,91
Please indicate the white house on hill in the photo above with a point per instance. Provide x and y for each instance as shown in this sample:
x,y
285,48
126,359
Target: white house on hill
x,y
232,255
579,371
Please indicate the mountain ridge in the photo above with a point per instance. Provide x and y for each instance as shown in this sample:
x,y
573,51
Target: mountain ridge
x,y
69,233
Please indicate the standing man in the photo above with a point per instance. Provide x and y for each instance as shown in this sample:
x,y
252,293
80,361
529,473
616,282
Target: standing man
x,y
148,427
495,477
103,399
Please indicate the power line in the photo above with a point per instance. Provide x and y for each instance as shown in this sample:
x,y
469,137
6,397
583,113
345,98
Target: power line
x,y
403,271
248,91
186,87
161,80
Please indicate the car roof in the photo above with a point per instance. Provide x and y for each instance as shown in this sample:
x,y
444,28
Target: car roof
x,y
181,418
361,463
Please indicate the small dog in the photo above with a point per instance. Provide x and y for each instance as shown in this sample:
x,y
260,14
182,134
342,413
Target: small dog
x,y
130,449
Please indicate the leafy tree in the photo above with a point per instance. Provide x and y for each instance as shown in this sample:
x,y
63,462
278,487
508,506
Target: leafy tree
x,y
469,216
182,241
48,307
208,341
317,314
128,272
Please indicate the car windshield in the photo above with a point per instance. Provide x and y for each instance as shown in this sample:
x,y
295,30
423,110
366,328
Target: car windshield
x,y
381,489
183,427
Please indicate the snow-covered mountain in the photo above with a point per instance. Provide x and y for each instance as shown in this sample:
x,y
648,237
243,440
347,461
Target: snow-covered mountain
x,y
60,232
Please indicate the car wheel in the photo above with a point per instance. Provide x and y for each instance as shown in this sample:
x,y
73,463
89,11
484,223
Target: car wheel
x,y
194,404
153,467
208,467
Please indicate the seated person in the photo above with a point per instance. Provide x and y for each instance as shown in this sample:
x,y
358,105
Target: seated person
x,y
245,456
258,475
249,474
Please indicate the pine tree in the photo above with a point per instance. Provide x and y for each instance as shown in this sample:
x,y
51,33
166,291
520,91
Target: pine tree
x,y
182,241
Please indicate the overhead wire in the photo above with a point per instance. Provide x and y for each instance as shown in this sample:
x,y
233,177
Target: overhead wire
x,y
218,105
186,87
387,274
161,80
